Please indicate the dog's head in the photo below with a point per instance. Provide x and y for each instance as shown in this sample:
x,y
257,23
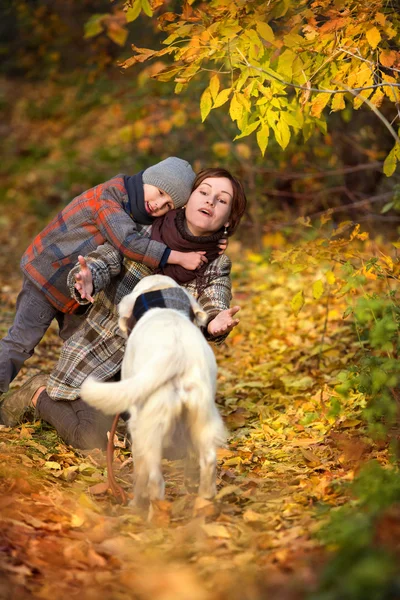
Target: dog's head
x,y
149,284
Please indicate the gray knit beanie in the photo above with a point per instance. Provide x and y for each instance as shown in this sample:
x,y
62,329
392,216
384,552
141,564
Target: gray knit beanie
x,y
174,176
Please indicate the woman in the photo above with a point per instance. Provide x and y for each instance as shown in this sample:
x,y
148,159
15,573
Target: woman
x,y
214,208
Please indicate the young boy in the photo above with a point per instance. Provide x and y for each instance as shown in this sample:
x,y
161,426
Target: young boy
x,y
114,211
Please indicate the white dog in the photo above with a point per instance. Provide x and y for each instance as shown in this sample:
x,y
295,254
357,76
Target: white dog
x,y
168,383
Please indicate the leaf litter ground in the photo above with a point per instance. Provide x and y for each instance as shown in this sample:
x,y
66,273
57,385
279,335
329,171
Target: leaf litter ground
x,y
291,453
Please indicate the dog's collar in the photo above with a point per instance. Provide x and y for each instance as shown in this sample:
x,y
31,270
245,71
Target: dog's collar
x,y
174,298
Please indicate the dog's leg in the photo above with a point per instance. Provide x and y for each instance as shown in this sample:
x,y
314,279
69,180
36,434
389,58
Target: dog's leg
x,y
156,481
141,477
208,467
191,472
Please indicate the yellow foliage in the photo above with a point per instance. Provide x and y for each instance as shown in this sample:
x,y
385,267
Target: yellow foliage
x,y
221,149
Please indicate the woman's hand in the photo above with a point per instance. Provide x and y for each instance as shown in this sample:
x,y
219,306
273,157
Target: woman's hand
x,y
223,322
84,280
223,244
188,260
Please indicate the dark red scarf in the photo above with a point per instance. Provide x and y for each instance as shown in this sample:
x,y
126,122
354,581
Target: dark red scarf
x,y
171,231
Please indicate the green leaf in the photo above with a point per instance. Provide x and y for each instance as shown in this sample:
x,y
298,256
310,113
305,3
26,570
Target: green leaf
x,y
94,25
387,207
317,289
262,138
205,103
297,302
265,31
389,166
147,8
133,11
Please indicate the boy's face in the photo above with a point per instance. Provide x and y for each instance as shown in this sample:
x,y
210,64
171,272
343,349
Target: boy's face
x,y
156,201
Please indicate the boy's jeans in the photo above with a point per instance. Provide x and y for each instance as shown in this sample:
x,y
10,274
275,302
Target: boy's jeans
x,y
34,313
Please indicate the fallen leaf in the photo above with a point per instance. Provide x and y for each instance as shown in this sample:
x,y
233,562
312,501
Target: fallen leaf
x,y
215,530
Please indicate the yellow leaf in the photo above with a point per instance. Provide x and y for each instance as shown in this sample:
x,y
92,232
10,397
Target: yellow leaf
x,y
338,102
250,516
377,98
77,520
282,133
285,64
214,86
368,273
248,130
265,31
388,262
387,58
317,289
388,89
51,464
330,277
243,151
117,34
262,138
236,109
326,216
306,221
318,104
222,97
215,530
297,302
373,37
380,18
205,103
221,149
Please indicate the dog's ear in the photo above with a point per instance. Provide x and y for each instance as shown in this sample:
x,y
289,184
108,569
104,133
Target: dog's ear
x,y
156,282
123,325
200,315
125,308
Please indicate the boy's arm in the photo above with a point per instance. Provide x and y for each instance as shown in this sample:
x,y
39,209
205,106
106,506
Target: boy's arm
x,y
117,227
104,263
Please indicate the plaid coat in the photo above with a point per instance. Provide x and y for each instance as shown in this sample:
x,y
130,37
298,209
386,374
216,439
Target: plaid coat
x,y
98,215
97,347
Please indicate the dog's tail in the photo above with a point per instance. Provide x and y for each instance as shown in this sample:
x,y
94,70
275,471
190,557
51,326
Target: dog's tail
x,y
118,396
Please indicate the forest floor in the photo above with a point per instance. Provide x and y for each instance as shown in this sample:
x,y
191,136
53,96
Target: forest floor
x,y
294,446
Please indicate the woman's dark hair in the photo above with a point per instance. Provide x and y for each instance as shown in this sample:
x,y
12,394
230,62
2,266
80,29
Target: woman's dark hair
x,y
239,199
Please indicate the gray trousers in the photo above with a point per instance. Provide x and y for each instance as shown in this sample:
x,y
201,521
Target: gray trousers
x,y
34,313
77,423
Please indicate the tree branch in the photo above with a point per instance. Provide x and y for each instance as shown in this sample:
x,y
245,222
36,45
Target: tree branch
x,y
312,89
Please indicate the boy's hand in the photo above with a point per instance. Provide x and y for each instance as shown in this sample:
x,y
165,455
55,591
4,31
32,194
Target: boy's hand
x,y
223,244
223,322
188,260
84,281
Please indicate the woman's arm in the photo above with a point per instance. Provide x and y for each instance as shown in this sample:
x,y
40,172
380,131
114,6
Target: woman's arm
x,y
215,299
94,272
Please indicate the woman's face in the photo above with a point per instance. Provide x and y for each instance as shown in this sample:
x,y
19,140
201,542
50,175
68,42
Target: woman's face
x,y
209,206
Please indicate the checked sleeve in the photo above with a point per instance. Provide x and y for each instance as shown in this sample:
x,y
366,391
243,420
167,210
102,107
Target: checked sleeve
x,y
117,227
217,295
104,263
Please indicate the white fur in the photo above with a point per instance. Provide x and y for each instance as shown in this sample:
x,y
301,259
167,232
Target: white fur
x,y
168,383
